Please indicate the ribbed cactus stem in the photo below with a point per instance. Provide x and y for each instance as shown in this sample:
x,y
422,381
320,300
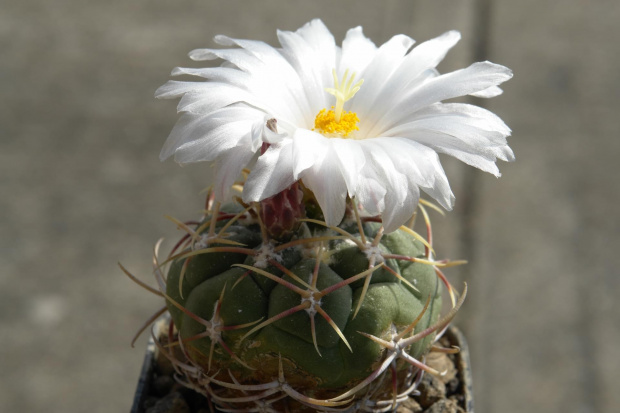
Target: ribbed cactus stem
x,y
299,315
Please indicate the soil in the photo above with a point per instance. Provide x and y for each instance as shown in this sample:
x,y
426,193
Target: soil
x,y
445,394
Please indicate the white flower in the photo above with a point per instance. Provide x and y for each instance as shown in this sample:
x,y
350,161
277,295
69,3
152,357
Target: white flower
x,y
381,149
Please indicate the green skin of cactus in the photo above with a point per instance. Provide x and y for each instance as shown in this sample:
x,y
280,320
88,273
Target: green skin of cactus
x,y
388,306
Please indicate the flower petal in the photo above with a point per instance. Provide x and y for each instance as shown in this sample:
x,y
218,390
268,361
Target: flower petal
x,y
257,135
370,192
414,69
240,58
422,167
387,58
274,78
470,114
425,56
475,78
325,181
271,174
483,159
312,61
470,134
203,138
397,189
357,52
308,148
228,168
204,97
351,160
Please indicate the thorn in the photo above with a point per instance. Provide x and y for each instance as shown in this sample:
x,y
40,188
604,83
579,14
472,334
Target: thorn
x,y
444,350
212,225
429,230
416,321
180,225
147,323
277,317
313,332
232,221
277,279
432,206
303,241
137,281
417,237
334,326
378,237
182,276
336,229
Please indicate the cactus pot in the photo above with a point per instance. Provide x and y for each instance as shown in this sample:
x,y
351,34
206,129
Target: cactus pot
x,y
155,377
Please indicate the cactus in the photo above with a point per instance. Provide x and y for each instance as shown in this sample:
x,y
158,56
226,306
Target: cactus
x,y
312,291
319,318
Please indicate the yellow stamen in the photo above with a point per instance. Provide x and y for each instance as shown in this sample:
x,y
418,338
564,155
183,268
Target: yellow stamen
x,y
335,122
326,123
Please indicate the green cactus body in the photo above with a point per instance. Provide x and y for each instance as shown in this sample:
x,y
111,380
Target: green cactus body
x,y
312,310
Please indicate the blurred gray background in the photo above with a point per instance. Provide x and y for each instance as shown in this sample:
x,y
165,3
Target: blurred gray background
x,y
82,188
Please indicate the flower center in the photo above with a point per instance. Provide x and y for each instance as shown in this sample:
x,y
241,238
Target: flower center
x,y
336,122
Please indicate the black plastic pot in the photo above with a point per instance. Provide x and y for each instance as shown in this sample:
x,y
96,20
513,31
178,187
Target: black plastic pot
x,y
455,337
463,366
145,381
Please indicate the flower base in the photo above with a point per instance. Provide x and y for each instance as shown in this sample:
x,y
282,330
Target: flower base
x,y
157,391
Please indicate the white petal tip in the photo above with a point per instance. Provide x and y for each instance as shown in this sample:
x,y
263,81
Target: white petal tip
x,y
503,70
178,71
202,54
166,91
454,34
491,92
223,40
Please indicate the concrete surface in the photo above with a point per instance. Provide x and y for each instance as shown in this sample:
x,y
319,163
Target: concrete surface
x,y
82,188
